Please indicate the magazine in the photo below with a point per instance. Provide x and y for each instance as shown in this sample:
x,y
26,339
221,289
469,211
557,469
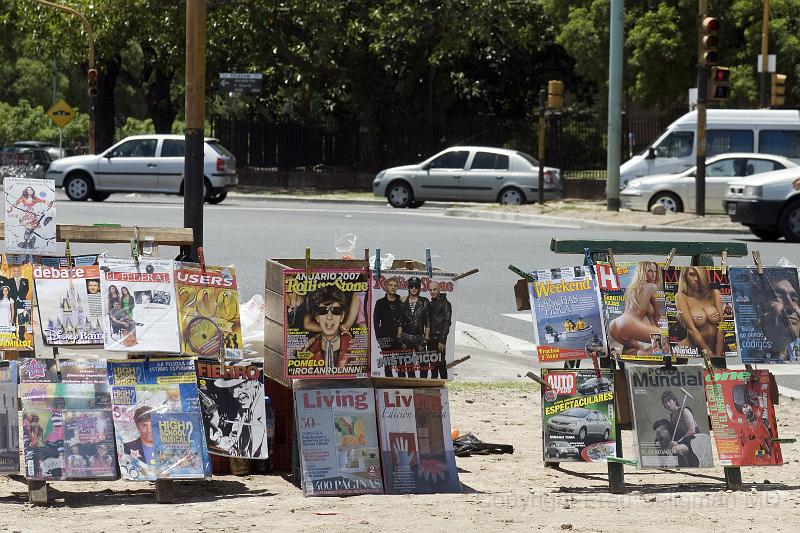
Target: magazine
x,y
30,222
767,314
567,314
16,304
233,404
413,326
669,416
699,311
68,432
139,311
73,261
326,323
208,311
338,439
157,419
9,418
416,442
743,417
578,416
633,303
70,305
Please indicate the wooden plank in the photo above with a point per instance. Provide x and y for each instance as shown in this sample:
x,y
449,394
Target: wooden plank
x,y
164,236
521,295
273,306
37,492
165,491
274,367
273,336
733,478
735,249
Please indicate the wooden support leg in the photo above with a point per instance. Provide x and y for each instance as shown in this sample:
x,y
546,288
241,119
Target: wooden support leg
x,y
37,492
616,471
165,491
733,477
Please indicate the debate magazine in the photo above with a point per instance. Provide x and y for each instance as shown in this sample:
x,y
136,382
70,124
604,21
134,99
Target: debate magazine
x,y
338,439
578,417
70,305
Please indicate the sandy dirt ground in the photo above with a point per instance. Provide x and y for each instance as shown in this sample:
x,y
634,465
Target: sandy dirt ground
x,y
500,492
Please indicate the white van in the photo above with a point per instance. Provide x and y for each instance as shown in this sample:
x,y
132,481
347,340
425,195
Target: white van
x,y
729,130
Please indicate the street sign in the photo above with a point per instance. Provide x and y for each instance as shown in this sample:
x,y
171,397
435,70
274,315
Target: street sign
x,y
239,82
61,113
770,63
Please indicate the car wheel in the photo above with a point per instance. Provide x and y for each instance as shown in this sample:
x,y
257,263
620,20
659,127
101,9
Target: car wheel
x,y
671,202
789,222
582,434
765,234
416,204
218,198
606,433
400,195
79,187
100,196
511,196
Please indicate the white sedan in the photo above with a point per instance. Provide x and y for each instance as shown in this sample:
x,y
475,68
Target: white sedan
x,y
676,192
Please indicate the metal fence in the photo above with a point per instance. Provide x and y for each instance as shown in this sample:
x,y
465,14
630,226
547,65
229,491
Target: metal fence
x,y
574,143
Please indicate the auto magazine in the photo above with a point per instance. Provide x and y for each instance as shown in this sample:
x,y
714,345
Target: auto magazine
x,y
30,216
16,303
233,404
413,326
578,416
68,432
326,323
633,303
743,417
766,313
208,311
669,416
567,313
416,443
338,438
699,311
9,418
70,305
157,420
139,311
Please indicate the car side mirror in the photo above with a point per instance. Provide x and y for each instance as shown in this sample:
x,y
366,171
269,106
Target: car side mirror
x,y
651,153
426,167
108,155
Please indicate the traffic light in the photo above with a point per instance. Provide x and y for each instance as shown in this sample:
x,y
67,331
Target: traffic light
x,y
91,80
555,94
778,92
719,84
709,41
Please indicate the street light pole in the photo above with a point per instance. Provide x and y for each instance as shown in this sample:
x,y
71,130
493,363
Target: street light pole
x,y
764,89
92,95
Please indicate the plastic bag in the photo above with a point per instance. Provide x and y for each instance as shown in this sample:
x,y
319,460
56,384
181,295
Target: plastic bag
x,y
345,244
252,318
387,260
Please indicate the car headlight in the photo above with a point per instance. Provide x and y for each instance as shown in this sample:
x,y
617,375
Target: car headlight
x,y
634,184
379,177
753,191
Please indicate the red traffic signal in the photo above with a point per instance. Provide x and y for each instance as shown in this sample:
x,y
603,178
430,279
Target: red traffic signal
x,y
709,40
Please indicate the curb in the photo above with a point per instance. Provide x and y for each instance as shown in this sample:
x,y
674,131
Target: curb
x,y
573,222
322,200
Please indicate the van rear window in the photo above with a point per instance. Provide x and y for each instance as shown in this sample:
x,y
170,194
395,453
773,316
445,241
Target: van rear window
x,y
779,142
724,141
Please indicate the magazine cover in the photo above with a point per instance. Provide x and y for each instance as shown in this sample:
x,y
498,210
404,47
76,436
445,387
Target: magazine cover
x,y
669,416
208,311
767,314
68,432
139,311
16,304
416,442
70,305
157,420
338,439
233,404
699,311
413,327
578,416
567,313
743,417
71,261
9,418
633,304
326,323
30,216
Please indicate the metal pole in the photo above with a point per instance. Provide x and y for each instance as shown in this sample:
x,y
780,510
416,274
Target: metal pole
x,y
702,93
614,105
542,107
195,115
764,88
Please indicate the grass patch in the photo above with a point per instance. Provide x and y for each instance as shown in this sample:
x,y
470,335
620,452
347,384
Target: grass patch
x,y
467,386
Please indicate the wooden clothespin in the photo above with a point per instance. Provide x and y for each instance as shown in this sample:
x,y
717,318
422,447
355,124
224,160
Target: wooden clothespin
x,y
135,246
668,262
596,363
545,385
308,261
458,361
724,262
757,260
465,274
201,258
377,262
708,365
366,260
521,273
613,264
68,254
428,262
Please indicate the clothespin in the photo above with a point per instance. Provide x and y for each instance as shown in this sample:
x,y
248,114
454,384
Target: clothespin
x,y
465,274
668,361
308,261
545,385
201,258
68,254
596,363
708,365
613,264
458,361
669,258
428,262
366,260
135,246
757,260
724,262
587,258
521,273
377,262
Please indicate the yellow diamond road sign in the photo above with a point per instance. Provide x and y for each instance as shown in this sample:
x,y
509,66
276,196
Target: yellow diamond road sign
x,y
61,113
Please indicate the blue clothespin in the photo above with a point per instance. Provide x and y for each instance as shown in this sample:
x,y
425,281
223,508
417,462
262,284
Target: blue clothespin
x,y
587,257
428,262
377,263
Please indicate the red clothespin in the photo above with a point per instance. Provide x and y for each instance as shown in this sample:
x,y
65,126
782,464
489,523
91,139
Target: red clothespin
x,y
201,258
596,363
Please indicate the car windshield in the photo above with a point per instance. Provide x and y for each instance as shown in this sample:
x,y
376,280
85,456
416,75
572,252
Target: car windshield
x,y
221,150
529,158
576,413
